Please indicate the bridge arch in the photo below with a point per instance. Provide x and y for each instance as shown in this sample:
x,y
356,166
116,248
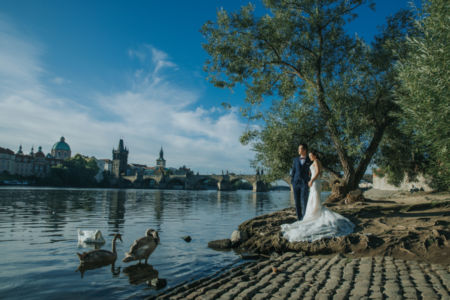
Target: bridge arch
x,y
241,183
150,183
176,183
204,183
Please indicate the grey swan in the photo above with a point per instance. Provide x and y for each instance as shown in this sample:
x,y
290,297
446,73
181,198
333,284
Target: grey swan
x,y
100,256
143,247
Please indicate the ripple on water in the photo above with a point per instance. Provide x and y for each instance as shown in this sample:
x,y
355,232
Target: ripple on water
x,y
38,237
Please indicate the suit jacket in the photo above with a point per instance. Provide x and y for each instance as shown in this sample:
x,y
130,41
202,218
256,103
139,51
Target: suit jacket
x,y
300,174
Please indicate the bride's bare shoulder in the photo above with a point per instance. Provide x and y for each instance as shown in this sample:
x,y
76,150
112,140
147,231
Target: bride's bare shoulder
x,y
318,165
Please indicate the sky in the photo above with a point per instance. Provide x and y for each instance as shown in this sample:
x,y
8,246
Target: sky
x,y
99,71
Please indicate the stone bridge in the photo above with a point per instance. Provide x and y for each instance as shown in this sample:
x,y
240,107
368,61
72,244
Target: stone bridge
x,y
193,182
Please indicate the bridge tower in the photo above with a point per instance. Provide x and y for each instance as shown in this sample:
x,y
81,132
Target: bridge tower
x,y
259,186
224,184
120,160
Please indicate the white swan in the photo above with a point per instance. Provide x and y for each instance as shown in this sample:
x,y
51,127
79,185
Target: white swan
x,y
90,236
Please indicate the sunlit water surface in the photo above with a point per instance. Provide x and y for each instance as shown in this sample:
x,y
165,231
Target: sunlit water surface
x,y
38,237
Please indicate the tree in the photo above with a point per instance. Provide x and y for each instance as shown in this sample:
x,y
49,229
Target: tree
x,y
424,94
333,91
77,171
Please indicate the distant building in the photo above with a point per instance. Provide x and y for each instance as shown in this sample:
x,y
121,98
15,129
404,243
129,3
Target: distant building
x,y
33,164
61,150
182,171
41,166
149,171
24,163
120,160
134,169
161,162
7,160
381,183
107,165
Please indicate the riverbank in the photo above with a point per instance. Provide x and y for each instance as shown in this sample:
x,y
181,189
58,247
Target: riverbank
x,y
295,276
400,225
399,249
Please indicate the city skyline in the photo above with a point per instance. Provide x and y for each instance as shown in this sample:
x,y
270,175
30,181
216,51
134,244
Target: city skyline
x,y
97,73
151,163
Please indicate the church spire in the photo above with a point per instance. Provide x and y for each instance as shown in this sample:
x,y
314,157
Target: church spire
x,y
161,162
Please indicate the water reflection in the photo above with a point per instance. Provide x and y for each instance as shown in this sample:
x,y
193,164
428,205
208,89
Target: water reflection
x,y
38,238
83,267
116,215
158,208
140,273
93,246
258,200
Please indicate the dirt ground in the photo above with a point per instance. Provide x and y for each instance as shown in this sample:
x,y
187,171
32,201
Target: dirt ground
x,y
399,250
397,224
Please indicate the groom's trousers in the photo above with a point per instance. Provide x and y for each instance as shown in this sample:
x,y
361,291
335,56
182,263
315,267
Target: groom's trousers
x,y
301,193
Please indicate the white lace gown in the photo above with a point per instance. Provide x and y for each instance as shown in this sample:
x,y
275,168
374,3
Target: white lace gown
x,y
319,222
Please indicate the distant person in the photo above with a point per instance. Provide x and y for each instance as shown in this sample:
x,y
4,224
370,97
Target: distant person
x,y
300,177
318,221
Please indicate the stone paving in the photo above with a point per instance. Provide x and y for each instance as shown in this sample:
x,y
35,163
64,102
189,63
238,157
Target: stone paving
x,y
295,276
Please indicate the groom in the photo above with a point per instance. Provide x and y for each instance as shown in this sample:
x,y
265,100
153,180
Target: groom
x,y
300,177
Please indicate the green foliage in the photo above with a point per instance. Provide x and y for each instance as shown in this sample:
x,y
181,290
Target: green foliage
x,y
335,92
287,125
424,94
77,171
400,155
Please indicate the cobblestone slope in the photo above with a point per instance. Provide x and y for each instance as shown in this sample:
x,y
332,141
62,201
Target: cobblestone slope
x,y
294,276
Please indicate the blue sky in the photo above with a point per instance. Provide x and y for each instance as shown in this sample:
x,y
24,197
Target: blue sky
x,y
98,71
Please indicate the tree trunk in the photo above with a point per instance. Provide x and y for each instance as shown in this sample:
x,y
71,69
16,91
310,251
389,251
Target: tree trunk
x,y
340,188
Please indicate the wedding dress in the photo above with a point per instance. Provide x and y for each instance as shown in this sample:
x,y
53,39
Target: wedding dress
x,y
318,221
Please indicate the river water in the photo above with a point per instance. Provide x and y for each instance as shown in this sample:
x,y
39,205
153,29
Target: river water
x,y
38,237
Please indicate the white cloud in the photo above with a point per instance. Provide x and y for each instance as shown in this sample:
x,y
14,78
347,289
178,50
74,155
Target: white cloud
x,y
151,113
59,81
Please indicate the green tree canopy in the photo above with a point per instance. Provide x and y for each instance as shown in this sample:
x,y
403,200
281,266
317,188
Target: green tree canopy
x,y
424,96
332,90
78,171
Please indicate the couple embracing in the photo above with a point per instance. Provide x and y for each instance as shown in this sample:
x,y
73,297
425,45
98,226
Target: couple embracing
x,y
314,220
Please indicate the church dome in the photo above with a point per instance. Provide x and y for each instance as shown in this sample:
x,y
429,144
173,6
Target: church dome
x,y
61,145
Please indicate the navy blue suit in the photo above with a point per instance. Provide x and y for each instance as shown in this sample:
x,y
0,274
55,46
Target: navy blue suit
x,y
300,176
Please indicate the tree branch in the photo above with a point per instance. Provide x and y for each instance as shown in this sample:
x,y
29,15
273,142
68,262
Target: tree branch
x,y
345,161
280,61
299,7
343,12
370,151
334,173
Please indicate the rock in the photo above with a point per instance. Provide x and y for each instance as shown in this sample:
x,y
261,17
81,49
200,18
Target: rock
x,y
251,256
441,223
157,283
354,196
187,238
274,255
238,237
220,244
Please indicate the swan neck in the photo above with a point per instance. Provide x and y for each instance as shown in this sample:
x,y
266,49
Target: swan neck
x,y
114,245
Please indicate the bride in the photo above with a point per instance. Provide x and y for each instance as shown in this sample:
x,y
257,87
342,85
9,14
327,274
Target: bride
x,y
318,221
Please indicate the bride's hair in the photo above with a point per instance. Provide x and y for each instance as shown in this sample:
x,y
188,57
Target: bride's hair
x,y
315,153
